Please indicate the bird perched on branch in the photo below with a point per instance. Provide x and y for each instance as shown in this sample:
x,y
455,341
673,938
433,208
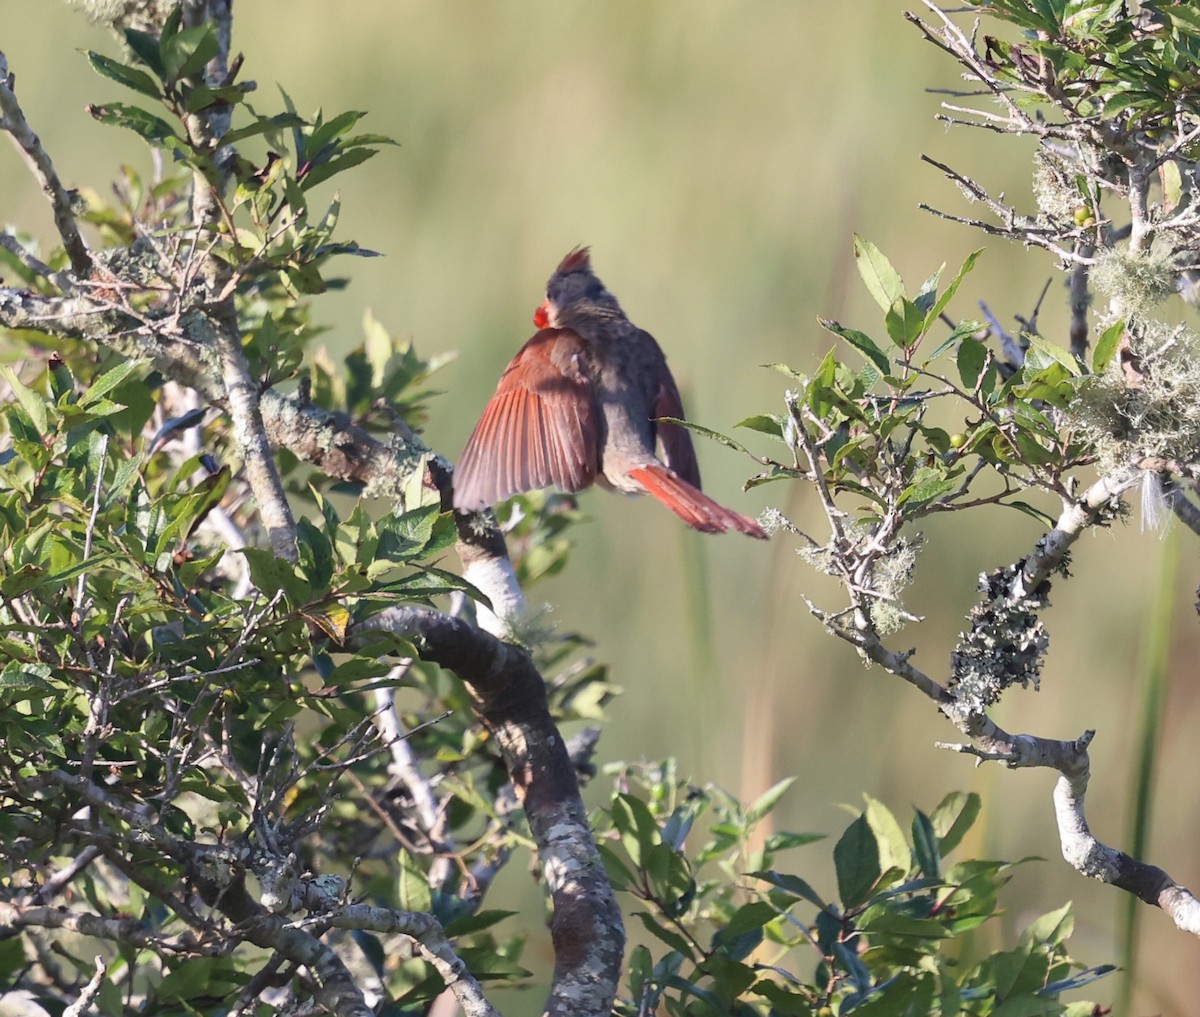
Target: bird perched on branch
x,y
581,403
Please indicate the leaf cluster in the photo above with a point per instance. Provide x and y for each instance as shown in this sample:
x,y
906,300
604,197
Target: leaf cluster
x,y
752,938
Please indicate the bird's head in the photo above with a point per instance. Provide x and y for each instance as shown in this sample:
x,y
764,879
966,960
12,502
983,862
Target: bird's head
x,y
574,291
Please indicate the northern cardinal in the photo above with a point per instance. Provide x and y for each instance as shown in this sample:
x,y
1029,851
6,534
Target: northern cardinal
x,y
579,403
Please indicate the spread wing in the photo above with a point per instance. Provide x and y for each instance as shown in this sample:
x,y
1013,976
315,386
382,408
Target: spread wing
x,y
540,429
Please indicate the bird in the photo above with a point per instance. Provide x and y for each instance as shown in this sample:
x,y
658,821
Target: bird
x,y
582,402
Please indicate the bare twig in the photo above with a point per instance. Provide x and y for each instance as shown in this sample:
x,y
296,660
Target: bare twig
x,y
118,930
27,258
13,122
83,1005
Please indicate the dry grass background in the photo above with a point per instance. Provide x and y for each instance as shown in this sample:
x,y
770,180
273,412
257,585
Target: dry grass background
x,y
718,158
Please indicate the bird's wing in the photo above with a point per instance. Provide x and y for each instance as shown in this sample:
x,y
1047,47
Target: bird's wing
x,y
541,428
677,449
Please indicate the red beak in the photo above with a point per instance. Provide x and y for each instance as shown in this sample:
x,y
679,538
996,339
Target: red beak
x,y
541,317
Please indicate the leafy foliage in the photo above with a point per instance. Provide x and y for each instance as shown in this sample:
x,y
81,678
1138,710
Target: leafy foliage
x,y
751,938
187,733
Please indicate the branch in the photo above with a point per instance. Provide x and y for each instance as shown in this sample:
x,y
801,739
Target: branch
x,y
1098,861
1015,227
119,930
1080,848
510,700
1080,299
83,1005
429,936
249,432
1184,508
12,121
1076,517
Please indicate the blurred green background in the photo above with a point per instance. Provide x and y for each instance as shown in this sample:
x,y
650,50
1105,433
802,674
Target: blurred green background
x,y
718,158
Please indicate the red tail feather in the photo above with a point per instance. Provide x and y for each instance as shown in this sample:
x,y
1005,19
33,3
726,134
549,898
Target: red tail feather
x,y
692,505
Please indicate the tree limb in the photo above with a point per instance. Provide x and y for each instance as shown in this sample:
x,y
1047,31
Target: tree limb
x,y
510,700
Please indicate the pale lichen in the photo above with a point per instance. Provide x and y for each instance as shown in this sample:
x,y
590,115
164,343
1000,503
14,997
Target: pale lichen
x,y
1147,403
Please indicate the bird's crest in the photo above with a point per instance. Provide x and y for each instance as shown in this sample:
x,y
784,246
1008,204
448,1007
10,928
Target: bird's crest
x,y
577,260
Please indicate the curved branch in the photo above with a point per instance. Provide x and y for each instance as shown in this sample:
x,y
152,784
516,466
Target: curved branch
x,y
1089,856
430,938
510,700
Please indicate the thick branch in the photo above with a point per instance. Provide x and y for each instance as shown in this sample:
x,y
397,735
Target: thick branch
x,y
510,700
1080,848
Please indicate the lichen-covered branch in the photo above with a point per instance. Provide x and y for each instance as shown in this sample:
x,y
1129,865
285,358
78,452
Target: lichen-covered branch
x,y
510,700
1080,848
431,942
1077,515
118,930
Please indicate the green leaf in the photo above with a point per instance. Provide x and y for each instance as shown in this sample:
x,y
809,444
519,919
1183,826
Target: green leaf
x,y
928,484
972,355
324,170
31,402
19,682
186,52
414,885
961,331
861,342
925,845
905,323
634,822
769,799
893,848
954,816
1107,346
108,381
147,126
1053,928
747,918
765,423
619,874
793,885
261,125
669,936
125,75
952,287
356,669
783,841
476,922
856,858
883,281
708,432
1033,512
272,574
145,48
1054,352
